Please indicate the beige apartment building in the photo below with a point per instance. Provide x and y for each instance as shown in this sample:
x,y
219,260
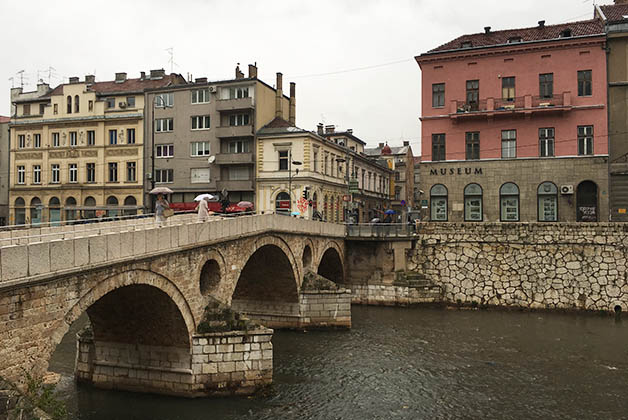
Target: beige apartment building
x,y
303,171
204,134
77,150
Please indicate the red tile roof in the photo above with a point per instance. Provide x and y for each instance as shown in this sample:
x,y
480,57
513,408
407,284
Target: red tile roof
x,y
614,12
129,85
4,119
537,33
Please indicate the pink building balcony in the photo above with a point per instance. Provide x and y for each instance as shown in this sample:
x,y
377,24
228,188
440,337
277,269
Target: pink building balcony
x,y
525,105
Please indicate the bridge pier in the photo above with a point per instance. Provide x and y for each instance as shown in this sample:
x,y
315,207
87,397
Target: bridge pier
x,y
218,364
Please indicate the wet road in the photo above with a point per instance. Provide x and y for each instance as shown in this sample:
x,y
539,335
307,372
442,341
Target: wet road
x,y
415,363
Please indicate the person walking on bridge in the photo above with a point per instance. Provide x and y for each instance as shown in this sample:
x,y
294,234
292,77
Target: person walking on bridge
x,y
203,209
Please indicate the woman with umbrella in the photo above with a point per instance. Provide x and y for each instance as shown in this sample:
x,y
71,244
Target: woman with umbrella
x,y
203,208
162,204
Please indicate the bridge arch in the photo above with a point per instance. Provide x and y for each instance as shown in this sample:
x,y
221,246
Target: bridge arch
x,y
330,263
212,270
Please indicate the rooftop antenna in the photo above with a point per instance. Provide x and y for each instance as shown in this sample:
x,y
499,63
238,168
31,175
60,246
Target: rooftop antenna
x,y
171,59
21,73
12,82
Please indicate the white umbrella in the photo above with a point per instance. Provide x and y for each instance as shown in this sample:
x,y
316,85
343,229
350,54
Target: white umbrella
x,y
161,190
203,196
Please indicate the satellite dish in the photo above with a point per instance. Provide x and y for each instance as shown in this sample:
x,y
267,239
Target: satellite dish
x,y
211,159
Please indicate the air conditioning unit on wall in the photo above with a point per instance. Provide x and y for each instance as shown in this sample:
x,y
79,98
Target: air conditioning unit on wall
x,y
566,189
212,88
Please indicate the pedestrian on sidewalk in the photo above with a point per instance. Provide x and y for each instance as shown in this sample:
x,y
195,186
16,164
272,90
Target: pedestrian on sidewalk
x,y
203,209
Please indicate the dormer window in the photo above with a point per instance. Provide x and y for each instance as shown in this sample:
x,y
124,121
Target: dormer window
x,y
565,34
514,39
466,44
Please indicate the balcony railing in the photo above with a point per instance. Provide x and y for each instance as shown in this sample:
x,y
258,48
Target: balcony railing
x,y
380,230
234,131
244,185
234,158
522,104
234,104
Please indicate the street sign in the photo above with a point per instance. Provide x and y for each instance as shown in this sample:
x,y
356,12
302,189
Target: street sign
x,y
353,186
346,197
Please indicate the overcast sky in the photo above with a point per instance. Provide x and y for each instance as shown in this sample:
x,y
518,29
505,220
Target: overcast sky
x,y
352,60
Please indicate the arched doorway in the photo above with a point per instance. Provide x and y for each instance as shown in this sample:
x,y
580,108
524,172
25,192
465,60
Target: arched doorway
x,y
90,211
55,211
112,202
70,208
586,202
36,211
130,202
282,203
20,211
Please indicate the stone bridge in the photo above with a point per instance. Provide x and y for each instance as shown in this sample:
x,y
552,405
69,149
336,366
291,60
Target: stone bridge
x,y
146,288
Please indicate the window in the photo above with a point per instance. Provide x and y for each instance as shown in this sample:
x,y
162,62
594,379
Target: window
x,y
36,174
585,139
283,160
130,172
585,83
37,140
69,108
130,101
164,176
473,94
242,146
508,88
546,85
565,34
21,175
21,141
547,197
472,140
199,175
111,103
438,95
466,44
55,109
239,119
55,140
113,172
509,202
42,108
73,138
314,161
26,109
76,103
130,135
473,203
438,203
73,171
509,144
113,136
90,106
237,93
514,39
438,147
200,122
164,150
55,172
546,142
164,100
90,172
199,148
238,173
91,137
200,96
164,124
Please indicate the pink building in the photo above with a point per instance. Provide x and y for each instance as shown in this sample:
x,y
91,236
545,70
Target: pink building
x,y
514,125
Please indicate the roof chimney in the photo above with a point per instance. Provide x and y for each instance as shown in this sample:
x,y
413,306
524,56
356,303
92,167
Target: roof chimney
x,y
157,74
319,129
238,73
487,29
120,77
329,129
406,143
381,145
253,71
292,117
200,80
90,79
74,80
350,130
279,96
142,75
541,24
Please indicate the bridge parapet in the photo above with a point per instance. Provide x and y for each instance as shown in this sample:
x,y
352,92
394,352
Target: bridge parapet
x,y
41,254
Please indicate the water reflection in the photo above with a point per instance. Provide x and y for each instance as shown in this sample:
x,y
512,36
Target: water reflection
x,y
413,364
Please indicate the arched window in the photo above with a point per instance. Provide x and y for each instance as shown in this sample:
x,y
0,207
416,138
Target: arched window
x,y
332,212
282,202
69,104
509,202
473,203
55,211
112,202
131,202
90,211
587,202
438,203
547,198
70,208
20,211
76,103
36,210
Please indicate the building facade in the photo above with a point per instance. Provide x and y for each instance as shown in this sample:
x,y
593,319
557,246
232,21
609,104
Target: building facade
x,y
4,170
401,161
77,151
514,125
307,172
616,27
204,134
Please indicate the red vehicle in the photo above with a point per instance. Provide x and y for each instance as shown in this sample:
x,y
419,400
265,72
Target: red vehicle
x,y
214,206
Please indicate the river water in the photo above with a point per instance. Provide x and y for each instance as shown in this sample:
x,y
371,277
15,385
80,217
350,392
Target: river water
x,y
411,363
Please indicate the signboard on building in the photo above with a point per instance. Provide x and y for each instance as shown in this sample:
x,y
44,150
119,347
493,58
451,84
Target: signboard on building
x,y
346,197
199,175
353,186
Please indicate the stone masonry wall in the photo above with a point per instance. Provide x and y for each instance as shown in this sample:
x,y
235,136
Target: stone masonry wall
x,y
326,308
532,265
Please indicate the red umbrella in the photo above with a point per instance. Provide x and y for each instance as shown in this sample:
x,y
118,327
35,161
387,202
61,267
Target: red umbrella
x,y
245,204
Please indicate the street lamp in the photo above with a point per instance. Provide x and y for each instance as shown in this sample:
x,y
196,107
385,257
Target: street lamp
x,y
152,142
290,163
